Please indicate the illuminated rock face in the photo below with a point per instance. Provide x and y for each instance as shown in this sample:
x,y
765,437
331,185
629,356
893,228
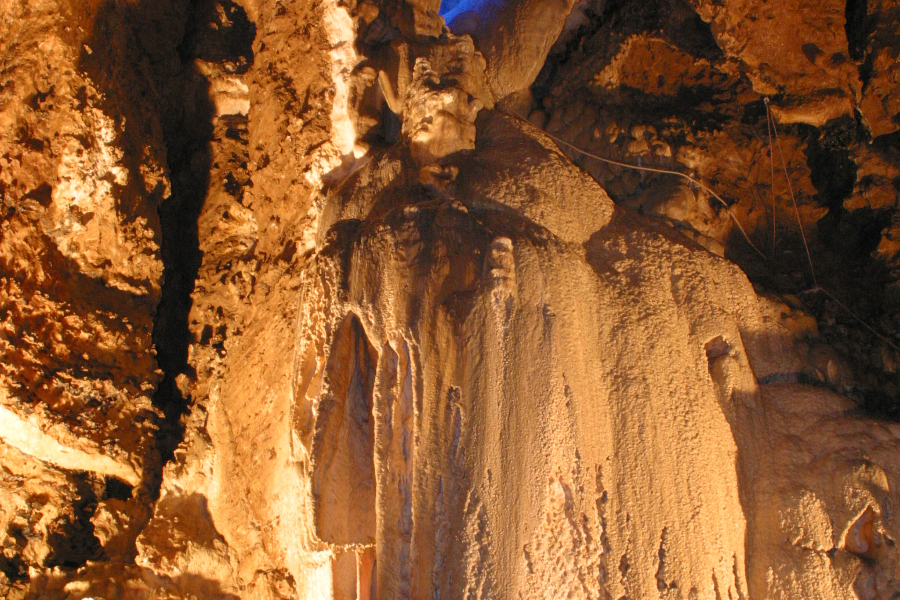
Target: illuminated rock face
x,y
491,388
407,347
501,406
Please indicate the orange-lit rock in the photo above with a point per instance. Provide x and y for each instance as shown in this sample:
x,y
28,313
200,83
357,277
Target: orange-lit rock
x,y
300,300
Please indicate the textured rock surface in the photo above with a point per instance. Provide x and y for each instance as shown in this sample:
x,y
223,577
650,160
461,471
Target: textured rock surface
x,y
295,306
515,37
830,496
502,478
798,51
701,110
81,270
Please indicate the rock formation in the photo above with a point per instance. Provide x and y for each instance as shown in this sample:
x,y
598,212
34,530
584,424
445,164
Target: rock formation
x,y
340,299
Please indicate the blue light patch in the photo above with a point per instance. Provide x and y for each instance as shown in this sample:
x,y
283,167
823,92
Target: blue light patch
x,y
450,9
448,6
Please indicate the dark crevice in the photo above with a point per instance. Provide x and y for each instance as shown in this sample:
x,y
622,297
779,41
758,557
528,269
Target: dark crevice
x,y
72,541
860,27
11,563
220,33
832,170
687,30
855,234
216,32
607,24
888,146
597,17
117,489
844,248
14,568
876,403
149,83
143,63
856,26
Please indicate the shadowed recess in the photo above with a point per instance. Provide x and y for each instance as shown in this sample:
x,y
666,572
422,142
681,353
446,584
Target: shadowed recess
x,y
343,452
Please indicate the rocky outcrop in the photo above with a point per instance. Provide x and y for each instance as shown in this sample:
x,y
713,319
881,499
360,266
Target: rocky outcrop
x,y
701,109
328,300
514,37
81,277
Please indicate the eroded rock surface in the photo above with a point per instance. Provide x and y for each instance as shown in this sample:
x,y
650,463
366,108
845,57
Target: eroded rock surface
x,y
701,109
301,300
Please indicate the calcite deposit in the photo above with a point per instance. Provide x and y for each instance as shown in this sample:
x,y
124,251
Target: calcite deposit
x,y
472,299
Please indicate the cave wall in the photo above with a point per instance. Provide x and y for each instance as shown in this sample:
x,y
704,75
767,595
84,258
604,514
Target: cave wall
x,y
300,302
702,110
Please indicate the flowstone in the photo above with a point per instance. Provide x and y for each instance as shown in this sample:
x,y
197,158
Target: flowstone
x,y
508,388
479,394
409,349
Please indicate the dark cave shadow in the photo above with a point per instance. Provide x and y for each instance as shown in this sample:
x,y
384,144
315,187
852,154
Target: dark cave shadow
x,y
141,58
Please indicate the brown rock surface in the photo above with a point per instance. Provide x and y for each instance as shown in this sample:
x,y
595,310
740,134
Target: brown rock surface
x,y
796,49
704,114
291,308
875,43
81,274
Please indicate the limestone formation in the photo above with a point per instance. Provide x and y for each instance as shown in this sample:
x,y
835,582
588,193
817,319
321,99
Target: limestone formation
x,y
515,37
344,299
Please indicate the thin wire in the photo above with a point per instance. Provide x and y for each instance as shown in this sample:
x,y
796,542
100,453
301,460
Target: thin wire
x,y
886,340
772,172
816,286
696,182
771,124
812,269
